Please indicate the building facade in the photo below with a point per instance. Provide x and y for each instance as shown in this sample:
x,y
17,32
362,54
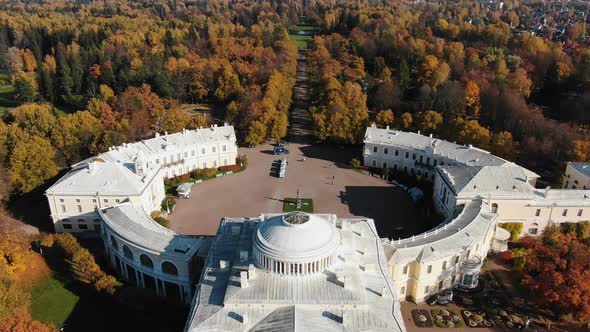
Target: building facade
x,y
134,173
150,256
576,176
474,190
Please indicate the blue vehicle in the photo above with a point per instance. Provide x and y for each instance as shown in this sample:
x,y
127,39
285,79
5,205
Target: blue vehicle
x,y
279,149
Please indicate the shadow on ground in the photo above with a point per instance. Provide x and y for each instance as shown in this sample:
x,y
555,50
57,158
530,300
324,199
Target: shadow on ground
x,y
338,154
32,208
401,218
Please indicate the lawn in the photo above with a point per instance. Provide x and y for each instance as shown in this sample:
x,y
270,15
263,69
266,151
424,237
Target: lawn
x,y
301,40
7,100
290,204
52,302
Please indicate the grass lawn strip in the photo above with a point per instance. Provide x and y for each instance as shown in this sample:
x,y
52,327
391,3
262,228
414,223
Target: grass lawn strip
x,y
52,302
290,204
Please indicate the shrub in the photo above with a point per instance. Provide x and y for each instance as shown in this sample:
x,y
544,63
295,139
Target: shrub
x,y
355,163
242,161
168,203
209,172
47,240
108,284
514,228
229,168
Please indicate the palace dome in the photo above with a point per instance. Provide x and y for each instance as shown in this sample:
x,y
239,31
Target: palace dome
x,y
295,237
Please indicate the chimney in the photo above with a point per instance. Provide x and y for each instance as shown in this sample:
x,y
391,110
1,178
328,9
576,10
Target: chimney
x,y
157,134
384,292
245,319
430,135
419,132
244,279
165,133
251,272
91,166
347,283
223,264
546,192
387,127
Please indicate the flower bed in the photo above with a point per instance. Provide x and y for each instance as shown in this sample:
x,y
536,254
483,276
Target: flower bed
x,y
506,319
476,318
228,168
422,318
446,318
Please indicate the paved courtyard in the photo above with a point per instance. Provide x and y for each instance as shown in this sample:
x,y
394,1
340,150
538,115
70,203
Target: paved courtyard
x,y
258,190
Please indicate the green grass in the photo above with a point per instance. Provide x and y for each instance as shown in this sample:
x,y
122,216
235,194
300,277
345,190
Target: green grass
x,y
301,40
290,204
7,100
52,302
301,27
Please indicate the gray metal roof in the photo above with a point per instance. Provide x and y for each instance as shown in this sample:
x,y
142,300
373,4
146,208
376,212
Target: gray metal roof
x,y
135,226
583,168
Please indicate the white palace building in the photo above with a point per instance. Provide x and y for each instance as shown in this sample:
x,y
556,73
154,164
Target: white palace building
x,y
299,271
474,190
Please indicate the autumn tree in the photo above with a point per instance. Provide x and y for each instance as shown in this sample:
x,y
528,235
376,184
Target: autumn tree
x,y
31,163
557,273
384,118
256,133
428,121
472,98
432,71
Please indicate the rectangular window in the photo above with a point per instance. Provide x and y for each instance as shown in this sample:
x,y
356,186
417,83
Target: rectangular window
x,y
429,269
385,151
77,201
538,212
444,266
193,153
440,285
80,208
405,271
580,212
204,164
178,156
403,291
213,149
106,200
67,226
421,158
435,162
374,149
94,200
564,213
384,165
214,163
453,280
82,226
203,151
63,208
407,155
117,201
428,160
224,148
374,163
61,200
185,154
456,259
426,290
397,152
442,163
413,156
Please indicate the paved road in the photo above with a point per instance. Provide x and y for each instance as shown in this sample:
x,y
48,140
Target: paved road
x,y
300,122
257,190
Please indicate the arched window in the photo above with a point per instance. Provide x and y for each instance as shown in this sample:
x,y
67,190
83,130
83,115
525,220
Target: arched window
x,y
127,252
169,268
494,208
114,243
146,261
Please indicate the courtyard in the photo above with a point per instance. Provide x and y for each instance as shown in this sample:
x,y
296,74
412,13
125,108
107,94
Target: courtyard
x,y
320,173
